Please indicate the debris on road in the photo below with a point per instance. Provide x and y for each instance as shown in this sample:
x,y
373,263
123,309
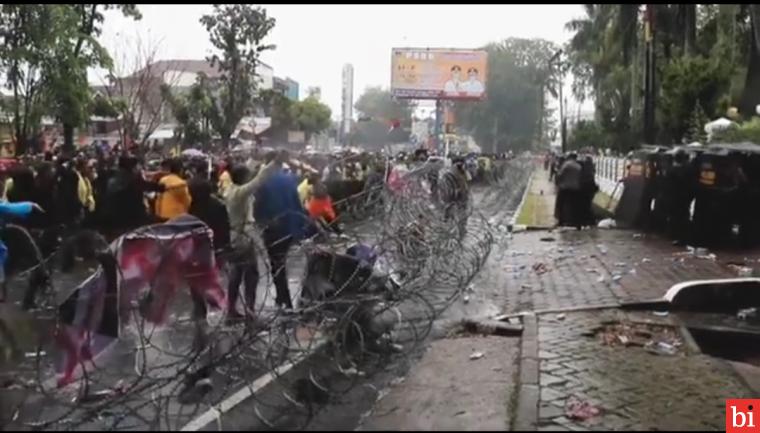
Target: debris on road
x,y
560,316
742,271
640,334
580,410
746,313
608,223
600,279
660,313
547,239
646,260
491,327
637,236
617,278
476,355
540,268
466,299
661,348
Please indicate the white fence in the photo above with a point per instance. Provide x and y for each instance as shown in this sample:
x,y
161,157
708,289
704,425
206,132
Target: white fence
x,y
609,170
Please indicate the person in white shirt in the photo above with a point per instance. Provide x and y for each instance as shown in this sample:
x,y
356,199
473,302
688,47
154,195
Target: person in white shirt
x,y
454,84
473,86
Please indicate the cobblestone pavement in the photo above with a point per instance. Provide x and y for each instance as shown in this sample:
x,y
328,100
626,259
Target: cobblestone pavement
x,y
593,267
634,389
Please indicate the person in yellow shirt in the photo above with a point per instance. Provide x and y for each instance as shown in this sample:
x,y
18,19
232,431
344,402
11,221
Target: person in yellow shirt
x,y
176,199
84,188
306,187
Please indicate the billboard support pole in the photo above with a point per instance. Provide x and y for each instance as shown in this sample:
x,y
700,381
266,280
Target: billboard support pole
x,y
438,124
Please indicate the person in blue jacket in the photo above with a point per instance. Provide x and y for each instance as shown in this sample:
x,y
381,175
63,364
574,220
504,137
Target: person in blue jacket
x,y
278,209
10,211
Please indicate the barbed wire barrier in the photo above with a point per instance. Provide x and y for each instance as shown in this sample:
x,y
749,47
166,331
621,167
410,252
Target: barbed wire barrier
x,y
132,348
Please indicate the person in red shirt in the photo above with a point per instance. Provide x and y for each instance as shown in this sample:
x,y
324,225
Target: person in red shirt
x,y
320,207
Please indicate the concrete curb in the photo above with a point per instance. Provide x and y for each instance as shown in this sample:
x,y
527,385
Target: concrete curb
x,y
245,392
526,415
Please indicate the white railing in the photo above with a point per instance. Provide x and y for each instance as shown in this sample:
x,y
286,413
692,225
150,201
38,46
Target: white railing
x,y
609,170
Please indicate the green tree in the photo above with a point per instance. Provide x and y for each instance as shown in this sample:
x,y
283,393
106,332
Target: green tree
x,y
194,112
237,31
76,49
378,104
26,40
377,110
278,107
587,134
696,131
751,94
686,82
513,112
310,116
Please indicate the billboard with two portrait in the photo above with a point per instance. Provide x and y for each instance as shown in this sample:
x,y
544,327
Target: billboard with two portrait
x,y
438,73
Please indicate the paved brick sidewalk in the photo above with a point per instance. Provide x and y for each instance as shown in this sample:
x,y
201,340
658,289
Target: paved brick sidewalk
x,y
581,267
634,389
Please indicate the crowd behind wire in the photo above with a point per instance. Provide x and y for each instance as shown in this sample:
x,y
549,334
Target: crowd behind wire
x,y
291,197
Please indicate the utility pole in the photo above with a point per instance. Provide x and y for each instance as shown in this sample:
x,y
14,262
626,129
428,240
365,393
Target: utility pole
x,y
438,124
649,76
562,125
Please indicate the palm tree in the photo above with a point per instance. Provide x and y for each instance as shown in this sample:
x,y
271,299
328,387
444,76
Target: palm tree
x,y
750,97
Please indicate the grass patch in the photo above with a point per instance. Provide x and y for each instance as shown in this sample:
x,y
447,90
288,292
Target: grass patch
x,y
527,211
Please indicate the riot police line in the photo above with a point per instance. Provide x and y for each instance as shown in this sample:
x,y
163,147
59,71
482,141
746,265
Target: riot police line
x,y
706,196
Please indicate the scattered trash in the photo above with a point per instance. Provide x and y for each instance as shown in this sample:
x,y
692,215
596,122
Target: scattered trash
x,y
617,278
560,317
591,271
646,260
549,239
476,355
398,381
620,264
742,271
540,268
600,279
746,313
639,334
637,235
580,410
660,313
33,354
466,299
632,271
492,327
602,249
661,348
608,223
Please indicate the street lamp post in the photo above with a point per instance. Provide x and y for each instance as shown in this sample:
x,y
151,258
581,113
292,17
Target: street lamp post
x,y
563,129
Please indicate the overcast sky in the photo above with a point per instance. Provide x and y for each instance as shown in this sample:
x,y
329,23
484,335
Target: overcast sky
x,y
315,41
